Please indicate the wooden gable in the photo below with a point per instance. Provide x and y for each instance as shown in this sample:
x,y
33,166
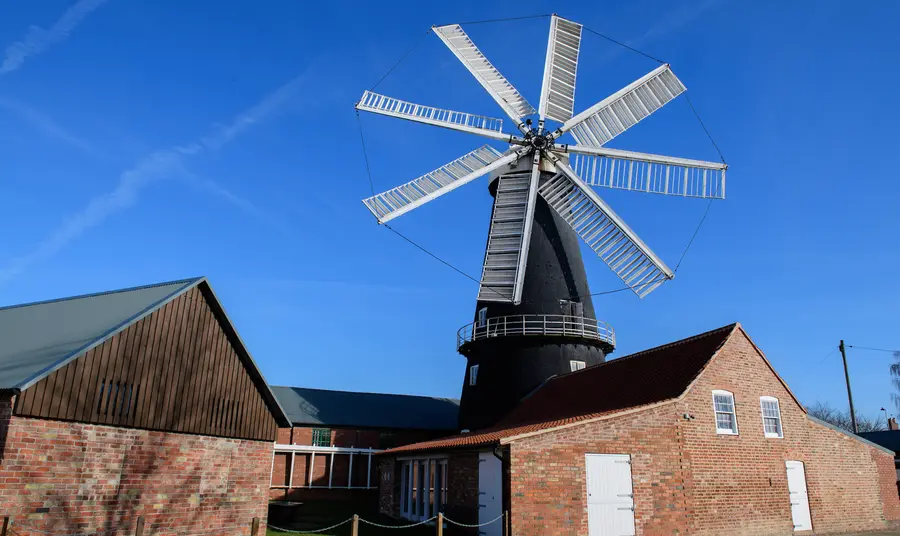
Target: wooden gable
x,y
178,369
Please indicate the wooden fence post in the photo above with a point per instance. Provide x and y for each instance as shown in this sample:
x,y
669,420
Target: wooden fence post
x,y
5,527
139,526
354,529
254,527
506,526
440,524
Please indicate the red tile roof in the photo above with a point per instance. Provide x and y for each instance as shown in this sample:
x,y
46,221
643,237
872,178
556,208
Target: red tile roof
x,y
641,379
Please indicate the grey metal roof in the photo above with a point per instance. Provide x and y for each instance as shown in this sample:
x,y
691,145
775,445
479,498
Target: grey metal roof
x,y
37,338
889,439
367,410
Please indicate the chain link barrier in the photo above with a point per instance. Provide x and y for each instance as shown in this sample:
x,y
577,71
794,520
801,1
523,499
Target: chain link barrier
x,y
466,525
14,525
398,526
349,519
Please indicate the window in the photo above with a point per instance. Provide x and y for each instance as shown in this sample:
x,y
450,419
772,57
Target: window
x,y
423,488
571,308
726,419
576,365
771,416
321,437
473,374
482,317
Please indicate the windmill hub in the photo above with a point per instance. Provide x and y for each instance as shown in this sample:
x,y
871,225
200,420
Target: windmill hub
x,y
540,142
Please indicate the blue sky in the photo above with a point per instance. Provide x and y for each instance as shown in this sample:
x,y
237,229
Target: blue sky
x,y
148,141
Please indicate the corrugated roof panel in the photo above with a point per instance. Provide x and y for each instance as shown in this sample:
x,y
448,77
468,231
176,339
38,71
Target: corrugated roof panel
x,y
36,338
366,410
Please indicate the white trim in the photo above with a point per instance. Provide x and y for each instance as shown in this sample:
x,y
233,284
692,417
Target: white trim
x,y
576,364
780,434
733,413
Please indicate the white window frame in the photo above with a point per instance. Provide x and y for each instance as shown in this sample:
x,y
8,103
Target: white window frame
x,y
481,319
473,375
423,487
733,413
780,433
576,364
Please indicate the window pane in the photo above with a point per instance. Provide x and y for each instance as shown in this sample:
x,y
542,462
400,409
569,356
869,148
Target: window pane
x,y
725,421
724,403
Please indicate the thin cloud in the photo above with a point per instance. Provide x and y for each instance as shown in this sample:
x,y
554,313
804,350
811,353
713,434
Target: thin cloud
x,y
241,203
48,127
159,165
671,22
38,39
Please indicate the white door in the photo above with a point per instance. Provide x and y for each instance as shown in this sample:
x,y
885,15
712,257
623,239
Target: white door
x,y
610,499
796,477
490,493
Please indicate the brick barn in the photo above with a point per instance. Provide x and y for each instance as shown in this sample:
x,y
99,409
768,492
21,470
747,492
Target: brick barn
x,y
700,436
327,454
134,406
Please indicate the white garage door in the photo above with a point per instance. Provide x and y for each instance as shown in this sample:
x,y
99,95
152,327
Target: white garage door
x,y
610,498
796,476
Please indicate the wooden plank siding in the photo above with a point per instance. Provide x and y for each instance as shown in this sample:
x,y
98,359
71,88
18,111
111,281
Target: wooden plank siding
x,y
174,370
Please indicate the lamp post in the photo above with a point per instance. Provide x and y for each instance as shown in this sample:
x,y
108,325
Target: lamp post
x,y
886,423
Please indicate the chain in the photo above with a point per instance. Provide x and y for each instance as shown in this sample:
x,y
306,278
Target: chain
x,y
311,531
448,520
396,526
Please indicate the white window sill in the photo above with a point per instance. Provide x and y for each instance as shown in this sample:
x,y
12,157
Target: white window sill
x,y
774,436
726,432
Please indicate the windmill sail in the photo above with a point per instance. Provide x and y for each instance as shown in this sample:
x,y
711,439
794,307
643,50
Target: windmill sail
x,y
508,97
627,170
623,109
604,232
465,122
504,246
400,200
558,90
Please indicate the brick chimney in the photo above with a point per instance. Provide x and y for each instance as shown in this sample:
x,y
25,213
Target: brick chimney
x,y
892,424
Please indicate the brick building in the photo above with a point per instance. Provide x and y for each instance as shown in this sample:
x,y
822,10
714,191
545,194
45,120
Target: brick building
x,y
327,452
139,405
700,436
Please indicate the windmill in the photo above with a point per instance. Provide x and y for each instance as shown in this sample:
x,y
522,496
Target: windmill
x,y
534,179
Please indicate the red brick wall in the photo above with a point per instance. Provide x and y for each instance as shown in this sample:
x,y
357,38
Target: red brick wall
x,y
547,479
462,487
688,479
79,478
887,480
346,437
740,482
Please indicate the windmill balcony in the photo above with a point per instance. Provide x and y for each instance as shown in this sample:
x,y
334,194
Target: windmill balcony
x,y
577,327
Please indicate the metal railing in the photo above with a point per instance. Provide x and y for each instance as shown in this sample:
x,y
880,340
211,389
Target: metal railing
x,y
540,325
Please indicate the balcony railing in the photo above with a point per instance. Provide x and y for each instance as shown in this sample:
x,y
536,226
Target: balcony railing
x,y
539,325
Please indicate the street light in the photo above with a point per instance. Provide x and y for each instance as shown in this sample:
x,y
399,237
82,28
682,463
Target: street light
x,y
886,423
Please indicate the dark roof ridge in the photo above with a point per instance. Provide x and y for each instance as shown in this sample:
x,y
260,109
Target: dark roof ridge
x,y
365,392
729,327
102,293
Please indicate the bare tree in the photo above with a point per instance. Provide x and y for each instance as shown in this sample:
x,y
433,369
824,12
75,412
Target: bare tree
x,y
835,417
895,379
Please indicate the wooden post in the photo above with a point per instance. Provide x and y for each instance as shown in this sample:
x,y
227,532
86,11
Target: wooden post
x,y
254,527
440,524
5,527
354,528
139,526
506,525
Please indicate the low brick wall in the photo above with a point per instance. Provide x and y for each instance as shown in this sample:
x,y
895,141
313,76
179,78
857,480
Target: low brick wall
x,y
80,478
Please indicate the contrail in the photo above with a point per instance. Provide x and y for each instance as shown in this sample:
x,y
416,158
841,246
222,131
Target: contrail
x,y
38,39
159,165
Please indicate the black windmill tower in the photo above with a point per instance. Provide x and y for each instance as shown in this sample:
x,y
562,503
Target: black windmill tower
x,y
529,328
